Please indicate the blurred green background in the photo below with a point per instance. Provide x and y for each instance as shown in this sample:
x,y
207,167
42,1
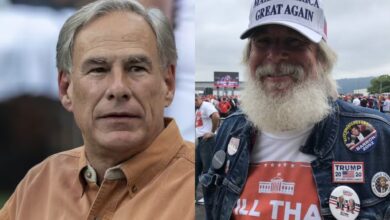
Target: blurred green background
x,y
4,197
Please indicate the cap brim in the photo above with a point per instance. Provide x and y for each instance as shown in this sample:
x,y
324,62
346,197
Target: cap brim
x,y
310,34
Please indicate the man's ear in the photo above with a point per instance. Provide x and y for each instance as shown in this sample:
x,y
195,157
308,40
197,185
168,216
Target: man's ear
x,y
64,85
170,79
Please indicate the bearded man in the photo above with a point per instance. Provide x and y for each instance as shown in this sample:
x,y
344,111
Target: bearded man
x,y
285,154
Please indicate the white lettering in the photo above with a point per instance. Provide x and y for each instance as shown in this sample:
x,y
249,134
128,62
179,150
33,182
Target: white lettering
x,y
312,213
237,206
275,206
288,211
242,209
366,144
247,208
253,211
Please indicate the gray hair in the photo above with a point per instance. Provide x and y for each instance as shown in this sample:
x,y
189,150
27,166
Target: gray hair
x,y
326,56
157,21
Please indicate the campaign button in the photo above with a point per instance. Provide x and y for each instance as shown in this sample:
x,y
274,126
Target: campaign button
x,y
218,159
347,172
344,203
233,146
380,184
359,136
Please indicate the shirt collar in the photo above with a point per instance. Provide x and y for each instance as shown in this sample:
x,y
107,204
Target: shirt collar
x,y
83,166
113,173
142,167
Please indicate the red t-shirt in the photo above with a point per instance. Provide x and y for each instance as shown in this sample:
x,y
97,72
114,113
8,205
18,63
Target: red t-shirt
x,y
278,190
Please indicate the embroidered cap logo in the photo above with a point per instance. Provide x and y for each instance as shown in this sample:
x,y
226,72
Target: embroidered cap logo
x,y
304,16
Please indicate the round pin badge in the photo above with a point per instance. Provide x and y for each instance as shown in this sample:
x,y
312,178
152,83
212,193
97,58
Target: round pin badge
x,y
233,146
359,136
380,184
344,203
218,160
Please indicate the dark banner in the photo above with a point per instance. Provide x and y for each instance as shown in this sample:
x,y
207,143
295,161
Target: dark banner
x,y
226,79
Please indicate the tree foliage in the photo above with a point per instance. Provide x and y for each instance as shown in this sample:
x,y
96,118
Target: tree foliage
x,y
380,84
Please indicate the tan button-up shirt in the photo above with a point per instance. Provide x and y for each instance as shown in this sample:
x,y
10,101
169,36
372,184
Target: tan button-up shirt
x,y
157,183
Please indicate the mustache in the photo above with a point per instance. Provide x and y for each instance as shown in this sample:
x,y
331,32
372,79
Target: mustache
x,y
283,69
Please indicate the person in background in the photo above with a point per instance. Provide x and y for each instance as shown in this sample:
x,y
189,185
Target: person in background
x,y
33,123
181,14
381,100
356,101
116,73
206,122
224,107
386,105
364,102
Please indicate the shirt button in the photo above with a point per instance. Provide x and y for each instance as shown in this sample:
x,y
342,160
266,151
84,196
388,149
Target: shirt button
x,y
134,189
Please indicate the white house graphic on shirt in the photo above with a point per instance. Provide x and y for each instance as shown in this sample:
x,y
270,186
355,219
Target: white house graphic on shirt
x,y
277,186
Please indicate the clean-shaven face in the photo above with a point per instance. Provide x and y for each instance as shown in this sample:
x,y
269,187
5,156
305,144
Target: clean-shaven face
x,y
118,89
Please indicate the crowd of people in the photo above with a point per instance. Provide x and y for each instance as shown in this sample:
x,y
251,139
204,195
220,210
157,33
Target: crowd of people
x,y
228,104
380,102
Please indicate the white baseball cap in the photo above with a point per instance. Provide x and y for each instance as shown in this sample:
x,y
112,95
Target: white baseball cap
x,y
304,16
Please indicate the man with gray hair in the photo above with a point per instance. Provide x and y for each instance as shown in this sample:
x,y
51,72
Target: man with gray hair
x,y
285,156
116,62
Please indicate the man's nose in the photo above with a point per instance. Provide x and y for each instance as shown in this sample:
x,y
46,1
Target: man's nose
x,y
118,88
277,53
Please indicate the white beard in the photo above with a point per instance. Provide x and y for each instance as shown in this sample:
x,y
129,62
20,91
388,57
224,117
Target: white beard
x,y
306,104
